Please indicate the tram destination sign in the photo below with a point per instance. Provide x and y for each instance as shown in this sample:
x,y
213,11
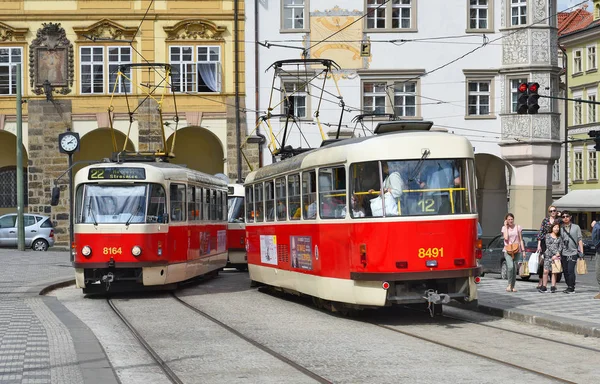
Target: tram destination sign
x,y
113,173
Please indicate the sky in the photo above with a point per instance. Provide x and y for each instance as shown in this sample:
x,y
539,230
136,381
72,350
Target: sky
x,y
564,4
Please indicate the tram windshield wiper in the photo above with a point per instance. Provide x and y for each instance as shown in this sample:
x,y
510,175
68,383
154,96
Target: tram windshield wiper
x,y
417,169
91,213
139,208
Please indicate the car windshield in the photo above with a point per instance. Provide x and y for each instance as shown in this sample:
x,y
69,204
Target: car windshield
x,y
101,204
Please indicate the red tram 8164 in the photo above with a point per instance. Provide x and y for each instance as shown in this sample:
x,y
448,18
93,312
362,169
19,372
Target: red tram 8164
x,y
371,221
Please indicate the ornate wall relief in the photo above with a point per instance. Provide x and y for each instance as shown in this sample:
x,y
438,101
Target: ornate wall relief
x,y
51,59
540,46
543,79
8,33
539,11
515,48
195,30
105,29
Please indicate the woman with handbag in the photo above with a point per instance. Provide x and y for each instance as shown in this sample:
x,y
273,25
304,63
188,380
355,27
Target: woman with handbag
x,y
554,248
513,248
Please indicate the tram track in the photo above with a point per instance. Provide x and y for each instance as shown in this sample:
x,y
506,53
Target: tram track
x,y
255,343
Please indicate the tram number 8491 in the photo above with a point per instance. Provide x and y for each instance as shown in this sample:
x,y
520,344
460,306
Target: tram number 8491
x,y
431,253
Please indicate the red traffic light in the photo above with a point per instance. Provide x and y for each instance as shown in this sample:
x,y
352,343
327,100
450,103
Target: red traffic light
x,y
533,87
523,87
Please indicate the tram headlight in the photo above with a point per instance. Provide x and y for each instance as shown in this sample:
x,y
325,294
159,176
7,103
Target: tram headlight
x,y
86,251
136,251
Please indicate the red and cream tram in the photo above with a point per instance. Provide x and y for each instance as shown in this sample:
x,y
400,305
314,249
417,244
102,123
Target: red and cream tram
x,y
370,221
146,224
236,228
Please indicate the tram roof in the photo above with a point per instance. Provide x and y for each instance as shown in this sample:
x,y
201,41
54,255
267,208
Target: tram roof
x,y
155,171
398,145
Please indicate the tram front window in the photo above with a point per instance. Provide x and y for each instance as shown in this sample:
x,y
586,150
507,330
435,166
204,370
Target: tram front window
x,y
103,204
412,187
235,209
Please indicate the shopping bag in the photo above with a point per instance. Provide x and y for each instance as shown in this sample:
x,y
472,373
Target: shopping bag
x,y
534,262
556,266
581,267
391,208
524,269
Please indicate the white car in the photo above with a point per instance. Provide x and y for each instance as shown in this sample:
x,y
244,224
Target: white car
x,y
39,232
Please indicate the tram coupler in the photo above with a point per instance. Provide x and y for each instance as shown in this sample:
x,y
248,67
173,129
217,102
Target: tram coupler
x,y
436,298
108,279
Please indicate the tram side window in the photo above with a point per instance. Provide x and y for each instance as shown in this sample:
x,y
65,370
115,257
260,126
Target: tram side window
x,y
224,207
309,195
280,201
157,205
198,203
295,209
177,196
219,206
212,205
269,201
249,204
191,202
258,203
206,203
332,193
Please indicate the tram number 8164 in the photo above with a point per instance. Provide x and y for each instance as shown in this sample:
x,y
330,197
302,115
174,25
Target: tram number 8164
x,y
431,253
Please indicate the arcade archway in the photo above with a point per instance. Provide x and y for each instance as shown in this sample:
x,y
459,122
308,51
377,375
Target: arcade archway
x,y
8,172
198,148
97,145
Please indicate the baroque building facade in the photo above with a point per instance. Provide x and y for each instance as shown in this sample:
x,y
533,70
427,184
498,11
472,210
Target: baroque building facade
x,y
95,57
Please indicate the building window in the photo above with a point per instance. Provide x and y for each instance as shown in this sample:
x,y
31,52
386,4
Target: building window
x,y
591,52
591,109
97,66
577,67
196,73
295,99
577,111
578,165
518,12
8,187
592,165
374,95
556,171
293,12
478,14
9,58
405,98
479,98
395,14
514,93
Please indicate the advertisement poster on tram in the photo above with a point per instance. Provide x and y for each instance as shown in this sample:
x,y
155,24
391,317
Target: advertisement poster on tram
x,y
268,249
221,241
204,243
301,247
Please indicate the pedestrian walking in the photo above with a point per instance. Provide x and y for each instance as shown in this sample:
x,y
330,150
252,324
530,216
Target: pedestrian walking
x,y
596,241
545,228
573,249
513,249
554,248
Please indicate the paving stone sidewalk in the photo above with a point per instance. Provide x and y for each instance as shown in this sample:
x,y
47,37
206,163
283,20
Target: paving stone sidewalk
x,y
577,313
40,340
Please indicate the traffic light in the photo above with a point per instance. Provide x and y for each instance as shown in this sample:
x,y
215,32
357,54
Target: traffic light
x,y
532,99
522,99
596,136
597,146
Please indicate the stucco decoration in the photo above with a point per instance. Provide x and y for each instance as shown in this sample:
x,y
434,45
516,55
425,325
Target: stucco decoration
x,y
504,108
540,127
515,48
51,58
8,33
540,46
530,127
553,52
105,29
543,79
502,18
539,11
515,126
195,30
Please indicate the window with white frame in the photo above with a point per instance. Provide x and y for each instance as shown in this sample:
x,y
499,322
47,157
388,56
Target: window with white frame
x,y
578,165
405,99
99,69
514,93
9,58
577,65
591,109
478,97
390,14
591,56
577,111
556,171
478,14
592,165
295,98
195,69
293,14
374,95
518,12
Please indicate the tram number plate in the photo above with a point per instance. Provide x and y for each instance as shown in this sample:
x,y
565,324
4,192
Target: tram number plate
x,y
112,251
431,253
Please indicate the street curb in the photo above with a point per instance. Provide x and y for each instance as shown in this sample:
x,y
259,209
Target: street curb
x,y
549,321
60,284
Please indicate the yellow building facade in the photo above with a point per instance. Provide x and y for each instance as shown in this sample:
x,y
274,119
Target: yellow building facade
x,y
106,64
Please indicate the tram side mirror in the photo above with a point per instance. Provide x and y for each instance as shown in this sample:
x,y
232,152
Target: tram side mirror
x,y
55,196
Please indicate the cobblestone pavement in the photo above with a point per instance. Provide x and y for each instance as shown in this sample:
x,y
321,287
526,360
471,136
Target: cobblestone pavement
x,y
578,312
40,341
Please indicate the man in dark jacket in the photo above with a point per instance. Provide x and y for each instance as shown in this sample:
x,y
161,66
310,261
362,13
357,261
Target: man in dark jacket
x,y
596,240
573,249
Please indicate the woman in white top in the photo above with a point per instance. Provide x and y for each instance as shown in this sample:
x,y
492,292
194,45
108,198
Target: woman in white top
x,y
512,234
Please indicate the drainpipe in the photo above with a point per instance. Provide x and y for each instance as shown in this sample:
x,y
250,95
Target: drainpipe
x,y
566,140
256,82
